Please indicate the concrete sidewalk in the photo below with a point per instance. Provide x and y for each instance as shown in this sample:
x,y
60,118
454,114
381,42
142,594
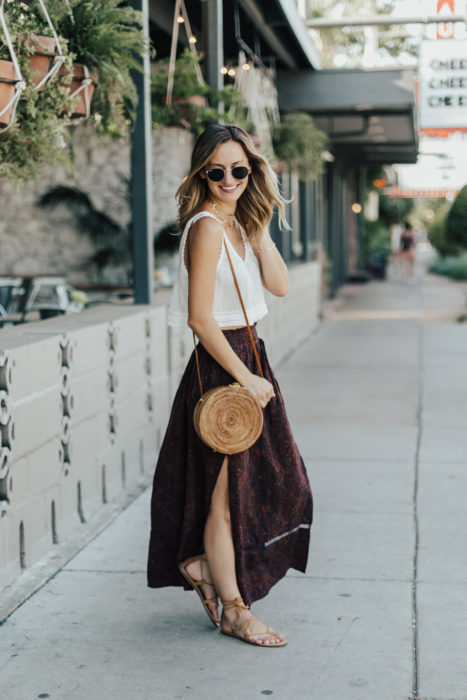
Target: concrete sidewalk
x,y
378,400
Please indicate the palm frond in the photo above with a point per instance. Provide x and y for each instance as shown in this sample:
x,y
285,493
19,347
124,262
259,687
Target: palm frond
x,y
71,197
101,227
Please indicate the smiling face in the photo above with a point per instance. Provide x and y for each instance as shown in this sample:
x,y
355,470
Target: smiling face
x,y
228,191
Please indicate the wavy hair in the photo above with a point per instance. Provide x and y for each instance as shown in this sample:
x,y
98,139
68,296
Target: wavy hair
x,y
256,204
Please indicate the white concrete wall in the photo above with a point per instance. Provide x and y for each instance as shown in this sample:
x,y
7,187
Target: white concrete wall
x,y
84,402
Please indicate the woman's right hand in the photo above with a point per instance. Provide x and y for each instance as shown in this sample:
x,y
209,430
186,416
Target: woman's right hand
x,y
260,388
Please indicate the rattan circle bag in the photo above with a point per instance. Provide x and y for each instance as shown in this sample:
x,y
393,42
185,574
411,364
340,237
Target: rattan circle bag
x,y
228,418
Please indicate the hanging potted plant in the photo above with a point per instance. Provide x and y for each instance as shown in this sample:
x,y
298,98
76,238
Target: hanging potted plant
x,y
105,41
43,49
187,93
8,80
33,38
36,136
299,144
194,105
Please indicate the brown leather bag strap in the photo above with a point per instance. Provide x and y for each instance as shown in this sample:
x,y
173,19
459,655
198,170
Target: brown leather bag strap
x,y
243,309
246,321
197,367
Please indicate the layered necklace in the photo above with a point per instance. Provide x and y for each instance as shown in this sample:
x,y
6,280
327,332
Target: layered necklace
x,y
229,219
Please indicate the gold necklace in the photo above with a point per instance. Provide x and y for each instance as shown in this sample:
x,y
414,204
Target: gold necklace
x,y
221,217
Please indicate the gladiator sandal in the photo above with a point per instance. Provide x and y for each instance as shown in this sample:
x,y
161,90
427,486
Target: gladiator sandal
x,y
242,631
196,585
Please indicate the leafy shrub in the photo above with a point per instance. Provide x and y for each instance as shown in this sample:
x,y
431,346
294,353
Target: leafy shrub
x,y
451,266
456,223
437,236
377,238
393,211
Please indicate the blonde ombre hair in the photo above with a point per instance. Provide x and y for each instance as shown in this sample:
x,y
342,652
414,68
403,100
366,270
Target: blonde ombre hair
x,y
256,204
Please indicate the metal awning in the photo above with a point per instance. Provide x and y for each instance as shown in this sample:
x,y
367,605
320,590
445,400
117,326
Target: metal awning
x,y
273,29
370,115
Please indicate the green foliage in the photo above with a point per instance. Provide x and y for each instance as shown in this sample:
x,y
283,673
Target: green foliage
x,y
451,266
185,79
299,143
37,136
456,223
394,211
376,238
193,116
107,36
438,237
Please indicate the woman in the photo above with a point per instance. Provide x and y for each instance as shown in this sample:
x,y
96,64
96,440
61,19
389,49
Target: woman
x,y
407,250
228,527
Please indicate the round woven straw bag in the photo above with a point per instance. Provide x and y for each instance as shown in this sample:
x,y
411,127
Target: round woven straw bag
x,y
228,419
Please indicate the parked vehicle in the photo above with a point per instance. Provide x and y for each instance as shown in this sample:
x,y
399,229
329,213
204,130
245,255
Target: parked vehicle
x,y
31,298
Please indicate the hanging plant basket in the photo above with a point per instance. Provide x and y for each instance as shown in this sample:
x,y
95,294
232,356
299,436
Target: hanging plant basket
x,y
187,102
44,48
8,80
82,94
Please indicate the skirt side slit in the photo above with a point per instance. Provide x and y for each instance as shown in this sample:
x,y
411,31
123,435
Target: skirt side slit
x,y
269,493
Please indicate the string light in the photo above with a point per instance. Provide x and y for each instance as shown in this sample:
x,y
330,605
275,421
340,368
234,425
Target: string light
x,y
180,19
224,70
192,39
231,72
246,66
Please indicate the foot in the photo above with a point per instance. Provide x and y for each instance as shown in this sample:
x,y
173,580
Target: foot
x,y
238,621
199,570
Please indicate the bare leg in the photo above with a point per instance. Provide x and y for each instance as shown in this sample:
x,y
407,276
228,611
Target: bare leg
x,y
218,545
197,570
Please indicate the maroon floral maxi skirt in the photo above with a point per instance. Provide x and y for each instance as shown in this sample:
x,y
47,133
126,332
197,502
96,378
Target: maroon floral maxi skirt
x,y
270,498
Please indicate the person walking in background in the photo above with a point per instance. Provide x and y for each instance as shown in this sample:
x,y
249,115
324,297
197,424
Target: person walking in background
x,y
407,251
228,527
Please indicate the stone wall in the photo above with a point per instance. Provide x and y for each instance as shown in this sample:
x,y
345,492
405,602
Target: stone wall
x,y
37,242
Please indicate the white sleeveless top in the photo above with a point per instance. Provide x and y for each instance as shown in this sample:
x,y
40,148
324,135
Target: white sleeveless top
x,y
226,307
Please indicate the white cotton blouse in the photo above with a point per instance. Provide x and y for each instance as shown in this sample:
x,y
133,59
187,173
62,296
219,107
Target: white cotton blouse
x,y
226,307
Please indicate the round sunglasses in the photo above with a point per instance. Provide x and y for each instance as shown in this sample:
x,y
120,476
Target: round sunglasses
x,y
217,174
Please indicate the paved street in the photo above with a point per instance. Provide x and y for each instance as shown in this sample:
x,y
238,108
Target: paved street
x,y
377,398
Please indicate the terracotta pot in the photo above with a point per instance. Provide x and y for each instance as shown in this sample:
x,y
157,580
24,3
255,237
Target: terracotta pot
x,y
185,102
8,79
39,62
79,107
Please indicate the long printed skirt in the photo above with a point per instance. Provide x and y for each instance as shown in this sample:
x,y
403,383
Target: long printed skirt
x,y
270,497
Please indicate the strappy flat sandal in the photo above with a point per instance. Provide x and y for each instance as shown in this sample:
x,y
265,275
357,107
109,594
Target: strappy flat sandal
x,y
196,585
242,632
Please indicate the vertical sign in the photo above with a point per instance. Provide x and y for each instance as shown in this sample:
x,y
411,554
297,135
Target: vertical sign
x,y
445,30
443,85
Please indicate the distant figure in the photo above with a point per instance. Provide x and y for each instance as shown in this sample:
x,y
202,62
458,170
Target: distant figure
x,y
407,250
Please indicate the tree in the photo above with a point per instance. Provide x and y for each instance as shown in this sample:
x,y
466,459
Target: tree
x,y
438,238
456,223
394,211
344,47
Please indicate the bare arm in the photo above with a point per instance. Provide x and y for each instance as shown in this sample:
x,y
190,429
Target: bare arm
x,y
204,245
274,274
